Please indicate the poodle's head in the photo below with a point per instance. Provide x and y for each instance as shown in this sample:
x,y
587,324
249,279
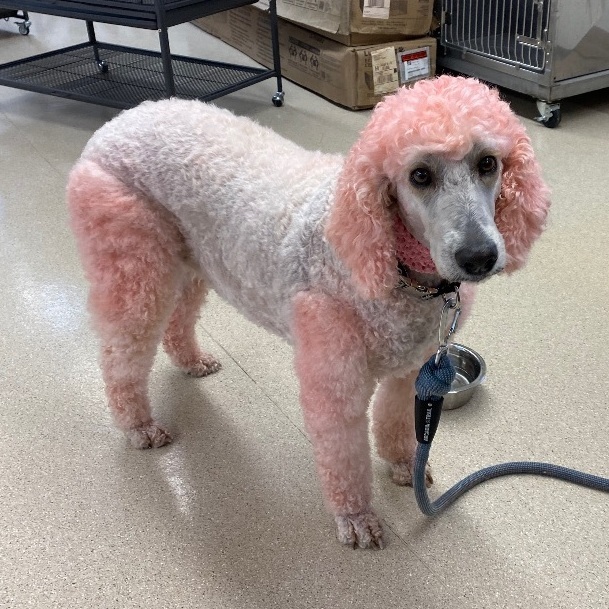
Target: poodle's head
x,y
449,160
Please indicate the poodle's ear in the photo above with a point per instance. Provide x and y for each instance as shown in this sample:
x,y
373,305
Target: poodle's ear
x,y
360,225
523,204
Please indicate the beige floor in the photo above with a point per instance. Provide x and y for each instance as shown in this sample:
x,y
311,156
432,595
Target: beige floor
x,y
230,515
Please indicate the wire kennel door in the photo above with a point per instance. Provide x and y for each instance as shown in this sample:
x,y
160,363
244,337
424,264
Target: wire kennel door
x,y
514,32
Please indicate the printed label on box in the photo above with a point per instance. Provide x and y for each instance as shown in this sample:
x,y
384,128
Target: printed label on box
x,y
322,6
413,64
385,74
305,57
376,9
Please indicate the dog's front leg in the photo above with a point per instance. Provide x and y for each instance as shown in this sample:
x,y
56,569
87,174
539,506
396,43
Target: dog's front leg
x,y
335,389
393,426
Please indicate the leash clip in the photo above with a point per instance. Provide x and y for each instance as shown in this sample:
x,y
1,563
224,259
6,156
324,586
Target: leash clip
x,y
452,303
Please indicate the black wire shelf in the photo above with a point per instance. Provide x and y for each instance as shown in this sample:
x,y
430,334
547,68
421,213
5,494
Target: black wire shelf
x,y
123,77
130,76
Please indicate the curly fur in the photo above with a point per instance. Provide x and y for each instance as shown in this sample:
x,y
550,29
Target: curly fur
x,y
174,198
449,116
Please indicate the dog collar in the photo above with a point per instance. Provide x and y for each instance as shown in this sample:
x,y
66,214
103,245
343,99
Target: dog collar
x,y
423,291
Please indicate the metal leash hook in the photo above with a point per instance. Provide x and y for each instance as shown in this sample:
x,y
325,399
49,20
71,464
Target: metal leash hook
x,y
452,303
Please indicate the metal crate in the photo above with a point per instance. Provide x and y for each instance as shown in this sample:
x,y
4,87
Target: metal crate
x,y
549,49
512,32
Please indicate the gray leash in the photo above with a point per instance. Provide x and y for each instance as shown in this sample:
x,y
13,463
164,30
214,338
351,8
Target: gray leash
x,y
434,381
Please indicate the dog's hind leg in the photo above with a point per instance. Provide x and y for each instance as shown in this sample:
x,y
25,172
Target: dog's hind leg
x,y
180,341
132,253
393,427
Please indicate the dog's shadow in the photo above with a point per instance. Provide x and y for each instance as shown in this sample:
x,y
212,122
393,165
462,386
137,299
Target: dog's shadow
x,y
237,498
210,491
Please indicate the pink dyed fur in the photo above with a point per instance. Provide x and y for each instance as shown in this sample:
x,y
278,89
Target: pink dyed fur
x,y
336,386
150,263
179,341
132,297
446,115
393,425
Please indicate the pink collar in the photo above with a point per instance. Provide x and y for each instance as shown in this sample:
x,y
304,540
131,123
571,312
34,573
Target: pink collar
x,y
411,252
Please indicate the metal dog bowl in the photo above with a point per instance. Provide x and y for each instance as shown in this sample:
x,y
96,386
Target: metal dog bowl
x,y
470,372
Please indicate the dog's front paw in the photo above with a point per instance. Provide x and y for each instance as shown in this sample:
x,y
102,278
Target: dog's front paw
x,y
360,530
151,435
205,365
401,474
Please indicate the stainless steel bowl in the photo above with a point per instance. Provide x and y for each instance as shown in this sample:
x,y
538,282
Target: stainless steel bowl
x,y
470,372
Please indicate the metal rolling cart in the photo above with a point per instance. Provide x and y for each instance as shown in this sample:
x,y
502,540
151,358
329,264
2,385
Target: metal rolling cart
x,y
23,25
122,77
549,49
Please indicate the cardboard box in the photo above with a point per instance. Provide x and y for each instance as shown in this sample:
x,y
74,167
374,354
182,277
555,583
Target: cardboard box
x,y
356,22
355,77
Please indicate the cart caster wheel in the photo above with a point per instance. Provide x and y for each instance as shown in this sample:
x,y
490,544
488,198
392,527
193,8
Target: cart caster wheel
x,y
24,28
553,120
102,66
278,99
549,114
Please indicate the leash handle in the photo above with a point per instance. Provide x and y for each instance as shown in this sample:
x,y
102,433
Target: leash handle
x,y
427,415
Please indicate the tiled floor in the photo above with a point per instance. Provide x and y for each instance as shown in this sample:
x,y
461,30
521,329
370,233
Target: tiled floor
x,y
230,515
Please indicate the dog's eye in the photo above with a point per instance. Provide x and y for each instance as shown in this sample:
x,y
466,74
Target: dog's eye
x,y
421,177
487,165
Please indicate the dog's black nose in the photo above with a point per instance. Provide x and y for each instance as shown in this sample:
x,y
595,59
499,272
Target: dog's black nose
x,y
478,259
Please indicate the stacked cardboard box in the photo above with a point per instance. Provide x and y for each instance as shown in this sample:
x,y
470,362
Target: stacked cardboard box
x,y
357,22
351,51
